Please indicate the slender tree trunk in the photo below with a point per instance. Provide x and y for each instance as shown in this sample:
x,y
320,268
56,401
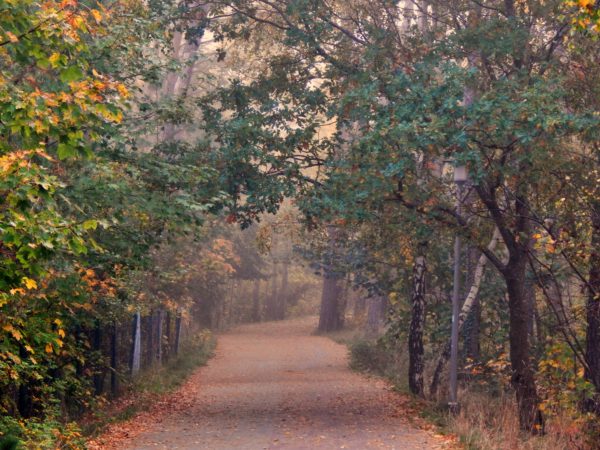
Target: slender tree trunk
x,y
150,353
473,323
177,332
97,346
592,355
24,397
169,343
159,336
530,298
136,344
114,360
466,309
417,323
256,301
271,310
283,291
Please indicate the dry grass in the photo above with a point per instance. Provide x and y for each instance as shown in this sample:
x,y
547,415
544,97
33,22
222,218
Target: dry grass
x,y
488,418
487,423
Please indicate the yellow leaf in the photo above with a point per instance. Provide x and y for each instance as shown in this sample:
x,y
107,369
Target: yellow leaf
x,y
13,331
78,23
49,348
97,15
122,90
29,283
14,357
58,322
54,59
12,37
61,333
29,349
59,343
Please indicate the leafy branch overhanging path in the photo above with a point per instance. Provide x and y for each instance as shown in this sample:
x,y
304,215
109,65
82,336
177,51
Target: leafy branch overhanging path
x,y
274,385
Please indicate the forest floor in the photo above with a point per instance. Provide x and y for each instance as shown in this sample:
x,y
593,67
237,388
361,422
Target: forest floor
x,y
275,385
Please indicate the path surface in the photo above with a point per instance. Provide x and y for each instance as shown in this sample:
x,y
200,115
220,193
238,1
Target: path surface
x,y
274,385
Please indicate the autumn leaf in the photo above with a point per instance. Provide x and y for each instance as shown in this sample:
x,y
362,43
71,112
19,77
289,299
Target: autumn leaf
x,y
29,283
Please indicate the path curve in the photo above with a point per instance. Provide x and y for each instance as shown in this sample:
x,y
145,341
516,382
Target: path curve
x,y
274,385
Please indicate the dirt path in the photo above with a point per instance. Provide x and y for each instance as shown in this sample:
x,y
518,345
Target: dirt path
x,y
273,385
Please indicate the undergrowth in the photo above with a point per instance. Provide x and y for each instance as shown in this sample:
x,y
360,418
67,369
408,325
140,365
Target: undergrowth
x,y
487,419
53,433
144,390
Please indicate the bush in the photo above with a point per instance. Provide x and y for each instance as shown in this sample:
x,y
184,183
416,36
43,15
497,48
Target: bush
x,y
48,434
380,358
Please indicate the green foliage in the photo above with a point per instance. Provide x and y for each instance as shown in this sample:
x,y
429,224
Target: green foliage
x,y
48,434
380,357
81,207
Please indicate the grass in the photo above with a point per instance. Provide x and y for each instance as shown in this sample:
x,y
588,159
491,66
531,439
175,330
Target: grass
x,y
172,375
487,420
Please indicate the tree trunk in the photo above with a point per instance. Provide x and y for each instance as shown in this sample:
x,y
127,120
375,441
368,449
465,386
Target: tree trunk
x,y
520,315
177,332
473,322
169,343
159,336
150,352
271,309
375,314
136,344
331,318
114,360
283,291
97,346
592,354
415,338
256,301
467,306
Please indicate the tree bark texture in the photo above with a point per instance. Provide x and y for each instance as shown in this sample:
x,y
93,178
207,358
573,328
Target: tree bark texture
x,y
136,344
472,324
159,336
520,315
177,332
592,354
416,363
331,317
466,309
114,360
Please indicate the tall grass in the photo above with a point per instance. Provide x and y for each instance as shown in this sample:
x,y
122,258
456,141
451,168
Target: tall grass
x,y
487,419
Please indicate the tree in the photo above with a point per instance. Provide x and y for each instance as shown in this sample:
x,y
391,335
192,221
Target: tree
x,y
407,90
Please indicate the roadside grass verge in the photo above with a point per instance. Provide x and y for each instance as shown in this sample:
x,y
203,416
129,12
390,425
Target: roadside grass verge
x,y
487,419
141,392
